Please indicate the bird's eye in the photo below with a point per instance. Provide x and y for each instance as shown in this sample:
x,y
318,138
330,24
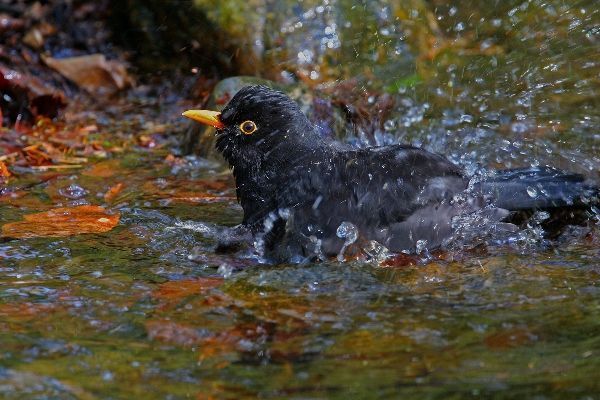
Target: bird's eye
x,y
248,127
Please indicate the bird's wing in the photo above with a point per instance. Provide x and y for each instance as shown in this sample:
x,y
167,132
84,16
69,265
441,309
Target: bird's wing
x,y
390,183
372,188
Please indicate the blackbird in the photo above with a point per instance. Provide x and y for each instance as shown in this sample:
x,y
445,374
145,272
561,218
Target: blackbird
x,y
303,195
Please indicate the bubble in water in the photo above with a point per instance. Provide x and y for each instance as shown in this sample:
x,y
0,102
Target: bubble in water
x,y
466,118
73,192
225,270
389,125
532,192
107,376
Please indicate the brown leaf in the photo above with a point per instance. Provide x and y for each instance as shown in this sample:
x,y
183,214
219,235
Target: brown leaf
x,y
104,169
110,195
93,72
64,221
4,173
43,99
34,38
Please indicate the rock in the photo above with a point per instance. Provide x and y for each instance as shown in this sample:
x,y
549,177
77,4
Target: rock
x,y
180,35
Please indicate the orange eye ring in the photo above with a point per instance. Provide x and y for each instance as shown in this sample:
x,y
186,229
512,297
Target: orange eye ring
x,y
248,127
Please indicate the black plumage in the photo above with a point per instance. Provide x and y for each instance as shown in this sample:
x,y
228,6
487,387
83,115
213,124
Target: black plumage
x,y
297,188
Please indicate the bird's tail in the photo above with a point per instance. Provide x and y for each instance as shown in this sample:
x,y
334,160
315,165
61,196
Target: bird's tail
x,y
540,189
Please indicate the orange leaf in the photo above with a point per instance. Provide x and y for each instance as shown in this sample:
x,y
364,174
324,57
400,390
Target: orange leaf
x,y
110,195
104,169
64,221
4,172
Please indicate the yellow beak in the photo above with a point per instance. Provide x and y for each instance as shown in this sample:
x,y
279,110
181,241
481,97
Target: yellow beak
x,y
205,117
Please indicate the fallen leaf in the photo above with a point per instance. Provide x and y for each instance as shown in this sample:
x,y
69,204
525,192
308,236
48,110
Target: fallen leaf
x,y
64,221
43,99
34,38
111,193
104,169
4,173
93,72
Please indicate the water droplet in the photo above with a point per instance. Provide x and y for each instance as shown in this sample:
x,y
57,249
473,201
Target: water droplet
x,y
225,270
73,191
532,192
349,233
466,118
389,125
377,251
107,376
540,216
420,246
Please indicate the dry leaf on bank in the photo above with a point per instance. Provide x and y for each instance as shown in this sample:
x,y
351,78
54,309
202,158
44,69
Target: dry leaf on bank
x,y
93,72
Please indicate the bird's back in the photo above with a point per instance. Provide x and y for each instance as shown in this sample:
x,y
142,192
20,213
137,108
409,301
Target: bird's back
x,y
372,188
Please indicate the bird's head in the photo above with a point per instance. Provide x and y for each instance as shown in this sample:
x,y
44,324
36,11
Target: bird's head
x,y
258,123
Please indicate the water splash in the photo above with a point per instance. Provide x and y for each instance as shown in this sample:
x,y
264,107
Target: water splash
x,y
421,246
532,236
377,252
225,270
349,233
